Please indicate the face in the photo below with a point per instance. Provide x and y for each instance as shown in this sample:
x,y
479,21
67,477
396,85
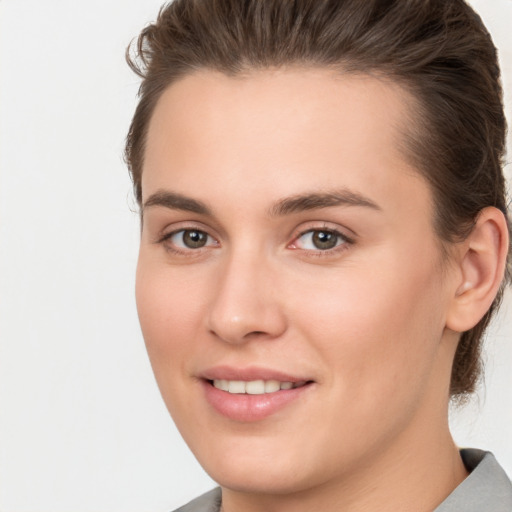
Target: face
x,y
290,286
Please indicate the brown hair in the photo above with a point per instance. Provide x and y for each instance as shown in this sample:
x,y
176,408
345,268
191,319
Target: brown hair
x,y
438,49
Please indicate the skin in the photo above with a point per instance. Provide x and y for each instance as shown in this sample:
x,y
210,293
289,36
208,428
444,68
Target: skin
x,y
369,321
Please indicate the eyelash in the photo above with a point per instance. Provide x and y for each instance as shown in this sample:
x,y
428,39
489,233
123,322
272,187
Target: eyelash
x,y
342,242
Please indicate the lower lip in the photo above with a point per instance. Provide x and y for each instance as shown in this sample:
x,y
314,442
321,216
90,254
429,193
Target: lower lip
x,y
249,408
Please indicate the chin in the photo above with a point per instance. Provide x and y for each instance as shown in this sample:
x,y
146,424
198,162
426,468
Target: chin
x,y
249,478
259,466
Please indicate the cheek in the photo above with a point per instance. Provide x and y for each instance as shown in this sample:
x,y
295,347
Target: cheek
x,y
377,327
378,339
169,308
169,313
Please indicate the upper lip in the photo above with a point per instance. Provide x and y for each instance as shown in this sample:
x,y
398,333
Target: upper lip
x,y
249,374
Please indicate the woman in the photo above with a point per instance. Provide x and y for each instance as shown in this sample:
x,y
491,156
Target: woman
x,y
324,240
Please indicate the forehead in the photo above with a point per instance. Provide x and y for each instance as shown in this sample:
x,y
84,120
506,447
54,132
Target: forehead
x,y
278,132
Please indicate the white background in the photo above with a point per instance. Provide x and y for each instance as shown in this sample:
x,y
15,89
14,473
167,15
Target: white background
x,y
82,426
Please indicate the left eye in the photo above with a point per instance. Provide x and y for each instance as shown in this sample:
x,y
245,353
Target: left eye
x,y
190,239
319,239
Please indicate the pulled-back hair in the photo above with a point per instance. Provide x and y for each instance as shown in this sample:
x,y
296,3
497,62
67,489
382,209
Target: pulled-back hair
x,y
439,50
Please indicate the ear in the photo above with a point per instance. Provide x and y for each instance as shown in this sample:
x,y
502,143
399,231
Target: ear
x,y
481,261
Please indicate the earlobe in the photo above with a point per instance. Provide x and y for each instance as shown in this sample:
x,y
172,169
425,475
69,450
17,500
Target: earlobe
x,y
482,266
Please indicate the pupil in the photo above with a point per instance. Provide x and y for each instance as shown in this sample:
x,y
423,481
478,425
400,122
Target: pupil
x,y
194,239
324,240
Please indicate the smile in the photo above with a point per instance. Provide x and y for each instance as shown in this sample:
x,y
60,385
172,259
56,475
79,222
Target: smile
x,y
254,387
252,395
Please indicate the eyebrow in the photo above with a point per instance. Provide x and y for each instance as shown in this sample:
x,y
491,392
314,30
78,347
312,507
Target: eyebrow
x,y
175,201
317,200
286,206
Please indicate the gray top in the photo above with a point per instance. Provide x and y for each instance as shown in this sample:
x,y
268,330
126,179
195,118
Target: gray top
x,y
487,488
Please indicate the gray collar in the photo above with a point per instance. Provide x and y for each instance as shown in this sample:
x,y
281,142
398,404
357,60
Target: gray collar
x,y
208,502
487,488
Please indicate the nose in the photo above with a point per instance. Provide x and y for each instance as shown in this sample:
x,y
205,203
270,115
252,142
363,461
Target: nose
x,y
245,303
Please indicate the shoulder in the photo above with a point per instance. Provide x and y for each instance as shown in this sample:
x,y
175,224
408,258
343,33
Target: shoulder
x,y
208,502
486,488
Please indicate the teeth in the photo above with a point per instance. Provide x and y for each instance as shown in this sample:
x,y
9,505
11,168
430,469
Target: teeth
x,y
271,386
254,387
221,384
236,386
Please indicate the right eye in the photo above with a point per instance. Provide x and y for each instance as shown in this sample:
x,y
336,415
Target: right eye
x,y
189,239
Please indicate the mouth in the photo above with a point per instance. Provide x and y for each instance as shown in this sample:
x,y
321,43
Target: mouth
x,y
253,394
255,387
